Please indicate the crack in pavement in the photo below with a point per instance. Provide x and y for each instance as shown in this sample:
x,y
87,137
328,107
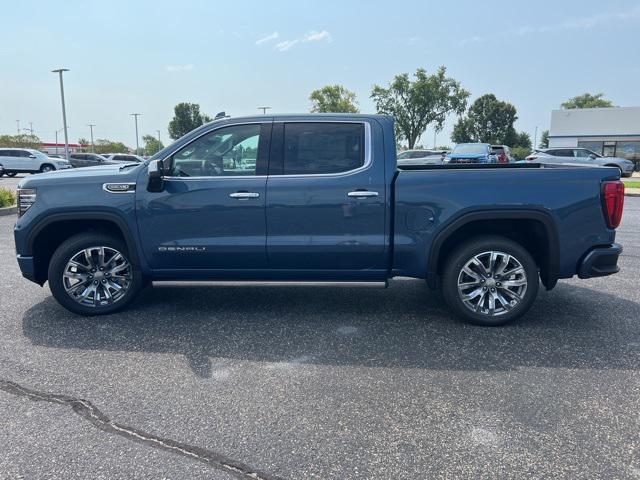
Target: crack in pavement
x,y
90,412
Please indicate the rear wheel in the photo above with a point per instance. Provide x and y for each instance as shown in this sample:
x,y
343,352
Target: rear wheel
x,y
490,280
92,274
11,174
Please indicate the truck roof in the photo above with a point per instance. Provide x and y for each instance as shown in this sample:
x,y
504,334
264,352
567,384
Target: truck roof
x,y
303,116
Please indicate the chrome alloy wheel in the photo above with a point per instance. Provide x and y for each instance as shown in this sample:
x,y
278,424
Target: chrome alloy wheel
x,y
97,276
492,283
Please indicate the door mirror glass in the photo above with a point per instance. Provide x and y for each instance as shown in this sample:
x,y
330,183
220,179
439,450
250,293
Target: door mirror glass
x,y
156,183
32,156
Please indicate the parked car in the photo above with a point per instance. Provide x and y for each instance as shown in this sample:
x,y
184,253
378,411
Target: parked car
x,y
471,153
326,201
89,160
581,156
421,157
502,153
123,157
27,160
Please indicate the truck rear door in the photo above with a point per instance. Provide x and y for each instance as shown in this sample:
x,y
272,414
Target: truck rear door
x,y
326,204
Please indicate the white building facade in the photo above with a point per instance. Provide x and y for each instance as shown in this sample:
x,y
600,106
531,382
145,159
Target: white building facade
x,y
612,132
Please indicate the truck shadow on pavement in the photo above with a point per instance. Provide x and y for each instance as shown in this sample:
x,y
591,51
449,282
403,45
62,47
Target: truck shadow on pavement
x,y
404,326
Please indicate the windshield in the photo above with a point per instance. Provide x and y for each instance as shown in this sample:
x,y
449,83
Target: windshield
x,y
478,148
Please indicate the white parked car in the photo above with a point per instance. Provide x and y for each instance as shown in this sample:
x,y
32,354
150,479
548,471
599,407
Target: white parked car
x,y
580,156
27,160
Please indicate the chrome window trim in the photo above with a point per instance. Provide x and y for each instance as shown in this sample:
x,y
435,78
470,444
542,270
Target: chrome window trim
x,y
368,155
368,148
104,187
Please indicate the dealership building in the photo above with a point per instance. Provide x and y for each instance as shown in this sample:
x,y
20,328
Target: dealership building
x,y
612,132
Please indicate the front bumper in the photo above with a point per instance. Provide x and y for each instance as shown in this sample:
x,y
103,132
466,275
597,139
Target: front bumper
x,y
27,267
600,261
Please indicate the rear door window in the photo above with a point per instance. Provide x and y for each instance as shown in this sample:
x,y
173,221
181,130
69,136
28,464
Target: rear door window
x,y
322,148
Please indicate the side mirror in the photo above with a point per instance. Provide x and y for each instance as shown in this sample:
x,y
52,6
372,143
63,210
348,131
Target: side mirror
x,y
592,156
155,171
32,156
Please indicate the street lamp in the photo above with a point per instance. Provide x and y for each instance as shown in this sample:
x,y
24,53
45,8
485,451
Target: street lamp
x,y
64,112
91,125
57,131
159,141
136,115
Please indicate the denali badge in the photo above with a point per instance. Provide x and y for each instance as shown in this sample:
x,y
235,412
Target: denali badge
x,y
182,249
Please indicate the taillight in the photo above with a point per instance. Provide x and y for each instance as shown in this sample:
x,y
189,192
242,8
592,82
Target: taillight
x,y
613,201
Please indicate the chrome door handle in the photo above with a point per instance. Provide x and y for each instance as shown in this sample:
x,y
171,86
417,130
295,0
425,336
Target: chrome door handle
x,y
362,194
244,195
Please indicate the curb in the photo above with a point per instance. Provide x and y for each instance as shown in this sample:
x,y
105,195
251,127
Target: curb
x,y
8,211
632,194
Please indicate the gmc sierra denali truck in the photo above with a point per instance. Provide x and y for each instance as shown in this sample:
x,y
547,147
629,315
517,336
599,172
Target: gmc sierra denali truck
x,y
315,198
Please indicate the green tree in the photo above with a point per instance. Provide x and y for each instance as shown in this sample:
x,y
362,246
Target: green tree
x,y
187,117
544,139
102,145
151,145
21,141
416,104
587,100
333,99
522,140
489,120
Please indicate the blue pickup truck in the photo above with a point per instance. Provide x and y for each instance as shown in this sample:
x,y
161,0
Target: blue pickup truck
x,y
315,198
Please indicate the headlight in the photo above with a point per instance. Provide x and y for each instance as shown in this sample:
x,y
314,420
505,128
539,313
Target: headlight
x,y
26,198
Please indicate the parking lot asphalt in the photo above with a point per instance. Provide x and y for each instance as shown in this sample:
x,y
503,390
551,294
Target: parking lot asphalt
x,y
308,382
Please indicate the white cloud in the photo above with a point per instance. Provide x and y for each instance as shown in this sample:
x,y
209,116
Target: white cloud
x,y
286,45
268,38
178,68
312,36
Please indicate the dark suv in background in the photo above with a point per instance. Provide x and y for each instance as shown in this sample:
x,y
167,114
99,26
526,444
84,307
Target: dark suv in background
x,y
88,160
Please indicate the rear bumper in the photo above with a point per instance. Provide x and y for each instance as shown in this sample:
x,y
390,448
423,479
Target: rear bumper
x,y
27,267
600,261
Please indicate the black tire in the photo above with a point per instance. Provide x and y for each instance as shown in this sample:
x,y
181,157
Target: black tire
x,y
627,175
464,253
71,247
47,167
11,174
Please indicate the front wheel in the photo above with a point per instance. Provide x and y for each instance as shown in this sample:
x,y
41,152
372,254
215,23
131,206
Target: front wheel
x,y
92,274
46,168
11,174
490,280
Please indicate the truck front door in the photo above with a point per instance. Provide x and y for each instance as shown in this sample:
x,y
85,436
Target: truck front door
x,y
211,215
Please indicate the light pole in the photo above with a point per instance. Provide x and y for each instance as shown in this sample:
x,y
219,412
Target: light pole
x,y
136,115
64,112
264,109
18,123
535,138
91,125
159,141
57,139
30,127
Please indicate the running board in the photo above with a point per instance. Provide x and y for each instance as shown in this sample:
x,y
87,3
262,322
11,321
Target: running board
x,y
265,283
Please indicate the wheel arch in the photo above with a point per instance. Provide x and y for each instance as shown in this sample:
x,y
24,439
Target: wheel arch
x,y
48,234
527,227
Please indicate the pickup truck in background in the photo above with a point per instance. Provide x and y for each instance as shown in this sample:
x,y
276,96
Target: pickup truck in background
x,y
316,198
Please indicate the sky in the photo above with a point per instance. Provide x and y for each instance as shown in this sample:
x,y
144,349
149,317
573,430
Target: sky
x,y
146,56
